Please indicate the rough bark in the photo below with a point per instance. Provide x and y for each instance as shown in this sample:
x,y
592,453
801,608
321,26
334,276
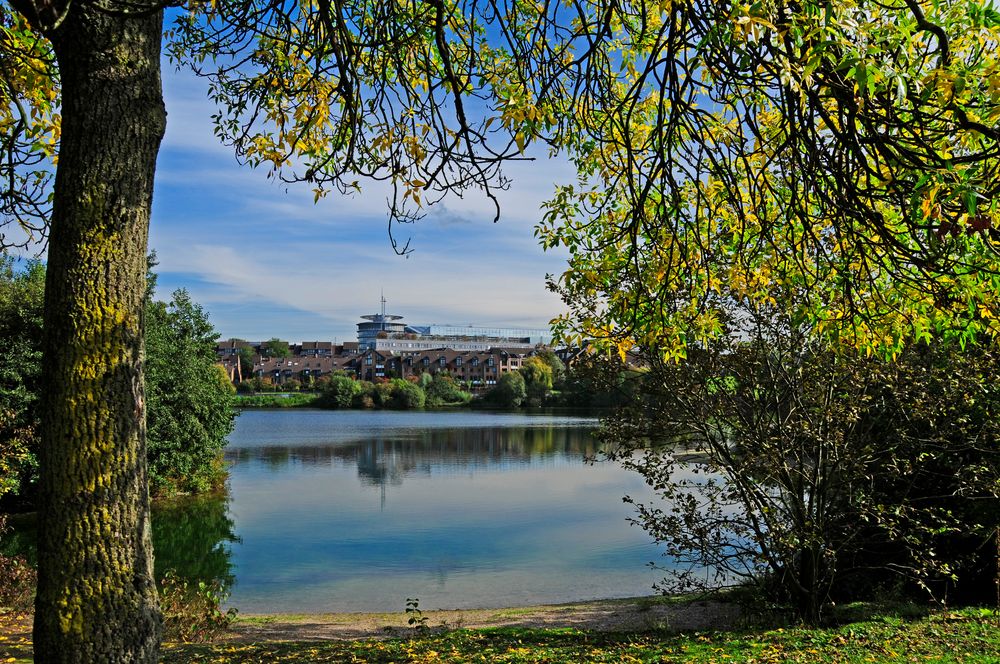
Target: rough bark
x,y
96,598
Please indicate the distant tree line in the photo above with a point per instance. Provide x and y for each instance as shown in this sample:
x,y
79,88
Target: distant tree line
x,y
541,381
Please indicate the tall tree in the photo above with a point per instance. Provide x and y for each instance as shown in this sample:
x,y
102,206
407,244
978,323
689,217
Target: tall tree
x,y
96,597
190,404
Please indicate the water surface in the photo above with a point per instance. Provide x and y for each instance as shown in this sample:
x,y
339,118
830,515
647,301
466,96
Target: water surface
x,y
359,510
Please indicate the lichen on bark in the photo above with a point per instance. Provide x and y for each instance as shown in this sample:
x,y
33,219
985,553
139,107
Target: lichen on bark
x,y
96,599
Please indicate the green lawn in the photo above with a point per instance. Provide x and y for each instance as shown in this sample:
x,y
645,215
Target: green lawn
x,y
265,400
967,635
956,636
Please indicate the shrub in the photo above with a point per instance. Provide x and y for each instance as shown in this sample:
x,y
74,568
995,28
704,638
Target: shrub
x,y
17,579
193,613
509,391
190,399
382,394
813,471
340,392
406,395
537,375
444,390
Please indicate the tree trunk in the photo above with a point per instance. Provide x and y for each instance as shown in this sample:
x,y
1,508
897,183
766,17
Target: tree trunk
x,y
96,597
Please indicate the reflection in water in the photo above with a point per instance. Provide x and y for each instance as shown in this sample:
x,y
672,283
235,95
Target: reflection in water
x,y
390,457
355,511
193,536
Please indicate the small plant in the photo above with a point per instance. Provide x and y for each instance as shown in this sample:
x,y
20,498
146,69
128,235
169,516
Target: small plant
x,y
193,613
17,583
17,579
417,620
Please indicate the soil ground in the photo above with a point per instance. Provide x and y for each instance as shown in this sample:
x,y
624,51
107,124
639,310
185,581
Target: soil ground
x,y
618,615
635,614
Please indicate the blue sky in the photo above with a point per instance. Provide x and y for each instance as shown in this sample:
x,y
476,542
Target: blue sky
x,y
265,261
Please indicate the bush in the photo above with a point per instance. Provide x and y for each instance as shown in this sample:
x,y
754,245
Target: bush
x,y
190,399
509,391
21,304
269,400
812,471
340,392
406,395
443,390
537,375
17,579
193,613
382,394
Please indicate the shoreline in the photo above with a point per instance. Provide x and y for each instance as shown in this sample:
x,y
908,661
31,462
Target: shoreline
x,y
630,614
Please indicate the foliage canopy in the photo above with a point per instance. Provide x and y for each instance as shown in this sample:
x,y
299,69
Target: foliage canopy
x,y
843,150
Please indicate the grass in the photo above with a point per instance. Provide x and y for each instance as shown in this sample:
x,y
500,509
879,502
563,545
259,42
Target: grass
x,y
957,636
966,635
264,400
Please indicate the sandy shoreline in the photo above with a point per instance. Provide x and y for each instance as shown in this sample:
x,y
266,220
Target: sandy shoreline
x,y
615,615
633,614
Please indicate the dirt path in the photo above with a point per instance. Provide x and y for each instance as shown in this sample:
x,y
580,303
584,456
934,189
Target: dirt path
x,y
602,615
636,614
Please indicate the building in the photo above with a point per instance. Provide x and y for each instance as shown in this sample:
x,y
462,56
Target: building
x,y
533,336
385,332
231,347
315,349
305,369
480,369
389,348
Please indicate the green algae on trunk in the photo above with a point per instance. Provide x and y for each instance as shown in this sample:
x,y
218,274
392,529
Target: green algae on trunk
x,y
96,599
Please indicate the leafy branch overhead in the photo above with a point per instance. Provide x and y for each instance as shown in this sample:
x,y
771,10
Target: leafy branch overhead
x,y
423,95
29,131
845,150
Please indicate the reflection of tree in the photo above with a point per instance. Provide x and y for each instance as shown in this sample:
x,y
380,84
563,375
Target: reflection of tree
x,y
388,459
192,535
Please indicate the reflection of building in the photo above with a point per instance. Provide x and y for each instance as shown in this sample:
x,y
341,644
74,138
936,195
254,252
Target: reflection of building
x,y
390,457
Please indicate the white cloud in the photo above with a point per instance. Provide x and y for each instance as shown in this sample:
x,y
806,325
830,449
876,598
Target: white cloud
x,y
266,261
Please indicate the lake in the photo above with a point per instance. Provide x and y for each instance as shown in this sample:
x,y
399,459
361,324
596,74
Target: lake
x,y
359,510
